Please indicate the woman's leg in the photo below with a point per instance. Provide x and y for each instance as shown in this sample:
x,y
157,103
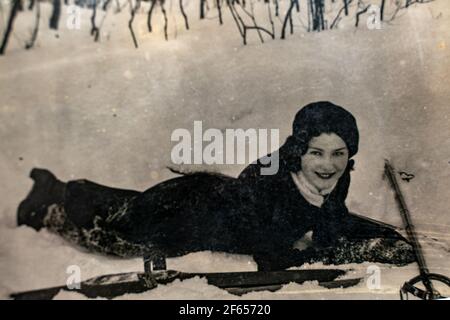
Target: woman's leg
x,y
83,201
82,212
46,190
86,201
100,238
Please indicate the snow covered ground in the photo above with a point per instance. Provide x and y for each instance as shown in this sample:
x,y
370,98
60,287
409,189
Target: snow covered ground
x,y
105,111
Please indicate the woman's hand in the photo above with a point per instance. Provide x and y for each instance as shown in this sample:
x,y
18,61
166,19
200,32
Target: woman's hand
x,y
280,260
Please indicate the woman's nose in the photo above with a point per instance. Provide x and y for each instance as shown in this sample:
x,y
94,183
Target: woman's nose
x,y
326,164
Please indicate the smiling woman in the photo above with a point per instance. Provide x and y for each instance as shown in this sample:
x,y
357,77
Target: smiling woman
x,y
323,164
308,194
258,214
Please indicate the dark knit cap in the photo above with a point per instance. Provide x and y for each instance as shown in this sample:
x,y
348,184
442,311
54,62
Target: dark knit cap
x,y
325,117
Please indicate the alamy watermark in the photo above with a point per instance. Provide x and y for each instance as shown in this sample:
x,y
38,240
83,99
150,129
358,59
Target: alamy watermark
x,y
373,21
226,148
73,21
74,279
374,279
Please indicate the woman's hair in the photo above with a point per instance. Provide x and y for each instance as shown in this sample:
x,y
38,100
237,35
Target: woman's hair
x,y
313,120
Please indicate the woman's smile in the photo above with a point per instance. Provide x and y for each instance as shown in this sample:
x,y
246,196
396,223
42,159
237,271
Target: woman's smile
x,y
324,175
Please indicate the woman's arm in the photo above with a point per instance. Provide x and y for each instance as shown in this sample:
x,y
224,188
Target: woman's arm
x,y
390,251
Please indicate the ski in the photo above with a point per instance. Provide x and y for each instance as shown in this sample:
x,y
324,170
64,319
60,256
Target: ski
x,y
238,283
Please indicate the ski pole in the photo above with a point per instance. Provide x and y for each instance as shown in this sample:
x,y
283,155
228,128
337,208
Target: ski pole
x,y
406,216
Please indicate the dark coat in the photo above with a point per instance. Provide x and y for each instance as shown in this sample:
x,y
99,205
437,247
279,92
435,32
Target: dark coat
x,y
285,216
254,214
260,215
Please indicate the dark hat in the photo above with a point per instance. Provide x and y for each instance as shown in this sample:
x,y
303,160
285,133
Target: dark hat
x,y
325,117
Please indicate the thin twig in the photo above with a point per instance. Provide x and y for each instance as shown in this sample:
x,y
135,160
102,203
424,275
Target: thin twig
x,y
337,18
106,4
288,14
56,13
251,15
9,27
360,13
219,9
161,3
184,15
30,43
130,22
94,30
240,28
269,12
149,15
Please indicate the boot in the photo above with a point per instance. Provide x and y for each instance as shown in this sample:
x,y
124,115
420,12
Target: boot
x,y
46,190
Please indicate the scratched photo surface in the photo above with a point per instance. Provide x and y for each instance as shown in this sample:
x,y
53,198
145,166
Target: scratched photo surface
x,y
88,92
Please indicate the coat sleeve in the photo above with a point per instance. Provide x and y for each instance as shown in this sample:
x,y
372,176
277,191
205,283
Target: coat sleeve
x,y
379,250
279,260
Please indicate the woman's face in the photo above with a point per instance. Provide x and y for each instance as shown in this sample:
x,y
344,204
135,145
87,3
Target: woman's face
x,y
325,160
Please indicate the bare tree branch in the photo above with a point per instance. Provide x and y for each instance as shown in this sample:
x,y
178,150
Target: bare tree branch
x,y
56,13
30,43
260,29
219,9
184,15
251,15
358,14
337,18
242,30
288,16
269,12
149,15
130,22
202,9
407,4
95,32
9,26
383,3
234,16
242,12
106,4
161,3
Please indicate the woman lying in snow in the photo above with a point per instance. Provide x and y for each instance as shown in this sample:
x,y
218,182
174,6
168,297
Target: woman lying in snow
x,y
255,214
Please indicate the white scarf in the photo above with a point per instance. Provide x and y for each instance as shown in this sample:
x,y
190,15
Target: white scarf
x,y
308,191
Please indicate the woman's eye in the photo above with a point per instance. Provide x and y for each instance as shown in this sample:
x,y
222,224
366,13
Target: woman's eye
x,y
315,153
339,153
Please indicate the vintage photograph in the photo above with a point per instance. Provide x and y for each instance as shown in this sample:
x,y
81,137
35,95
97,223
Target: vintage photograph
x,y
224,150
